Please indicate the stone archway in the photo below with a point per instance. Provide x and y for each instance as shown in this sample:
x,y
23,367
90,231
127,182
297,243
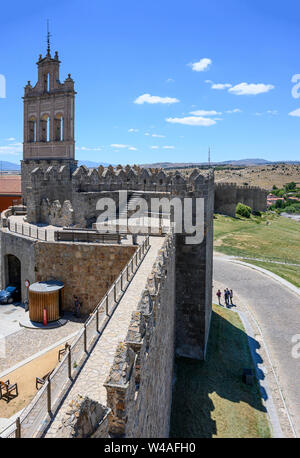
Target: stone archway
x,y
13,271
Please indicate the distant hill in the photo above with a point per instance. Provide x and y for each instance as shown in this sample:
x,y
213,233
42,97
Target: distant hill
x,y
9,166
237,163
91,164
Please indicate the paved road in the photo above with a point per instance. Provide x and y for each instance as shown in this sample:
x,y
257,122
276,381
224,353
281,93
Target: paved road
x,y
277,311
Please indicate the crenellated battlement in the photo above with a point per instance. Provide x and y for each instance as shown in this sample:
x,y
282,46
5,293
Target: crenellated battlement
x,y
128,178
226,185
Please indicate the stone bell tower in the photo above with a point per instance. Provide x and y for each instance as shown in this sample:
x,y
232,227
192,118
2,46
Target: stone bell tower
x,y
49,112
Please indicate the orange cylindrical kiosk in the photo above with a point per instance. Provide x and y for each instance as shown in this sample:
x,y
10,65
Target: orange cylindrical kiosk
x,y
46,295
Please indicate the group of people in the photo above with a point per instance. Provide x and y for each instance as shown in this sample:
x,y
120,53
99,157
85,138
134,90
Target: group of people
x,y
228,297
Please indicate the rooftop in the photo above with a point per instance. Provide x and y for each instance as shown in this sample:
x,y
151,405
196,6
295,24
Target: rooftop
x,y
10,185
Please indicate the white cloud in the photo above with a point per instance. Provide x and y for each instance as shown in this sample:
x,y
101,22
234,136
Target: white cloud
x,y
192,121
236,110
202,65
147,134
250,89
133,130
118,145
86,148
10,139
205,113
168,147
154,147
221,86
170,80
152,99
272,112
158,136
12,150
295,113
122,146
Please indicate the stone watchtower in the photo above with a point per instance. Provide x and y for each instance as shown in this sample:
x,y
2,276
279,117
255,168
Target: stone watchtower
x,y
49,109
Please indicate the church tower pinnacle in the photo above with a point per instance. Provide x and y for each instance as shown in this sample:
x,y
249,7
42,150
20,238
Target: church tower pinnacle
x,y
49,112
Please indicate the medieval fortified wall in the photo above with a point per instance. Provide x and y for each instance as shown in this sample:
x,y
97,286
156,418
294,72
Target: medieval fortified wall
x,y
228,195
174,311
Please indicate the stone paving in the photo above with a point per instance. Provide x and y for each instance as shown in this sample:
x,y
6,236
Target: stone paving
x,y
24,343
96,369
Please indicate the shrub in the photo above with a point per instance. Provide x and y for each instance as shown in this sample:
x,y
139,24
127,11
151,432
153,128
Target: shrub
x,y
293,208
279,204
290,186
243,210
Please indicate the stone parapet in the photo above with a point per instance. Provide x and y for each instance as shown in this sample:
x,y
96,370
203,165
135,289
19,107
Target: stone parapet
x,y
139,386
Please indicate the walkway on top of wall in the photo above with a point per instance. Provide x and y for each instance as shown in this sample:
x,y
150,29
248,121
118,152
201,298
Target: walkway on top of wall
x,y
46,232
96,369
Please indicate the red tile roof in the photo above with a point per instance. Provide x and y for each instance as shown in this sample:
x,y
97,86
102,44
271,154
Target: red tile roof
x,y
10,185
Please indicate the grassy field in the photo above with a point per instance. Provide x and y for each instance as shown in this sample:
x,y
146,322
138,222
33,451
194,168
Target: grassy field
x,y
269,237
289,273
210,399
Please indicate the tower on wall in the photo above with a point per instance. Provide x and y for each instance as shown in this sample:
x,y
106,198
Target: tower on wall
x,y
49,112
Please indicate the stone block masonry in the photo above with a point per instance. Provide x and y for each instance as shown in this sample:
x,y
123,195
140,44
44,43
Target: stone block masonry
x,y
88,270
139,386
228,195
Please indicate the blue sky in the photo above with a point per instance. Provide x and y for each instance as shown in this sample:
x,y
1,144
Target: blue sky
x,y
161,80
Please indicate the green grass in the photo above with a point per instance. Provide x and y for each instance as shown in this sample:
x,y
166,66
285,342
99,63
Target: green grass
x,y
289,273
209,398
268,237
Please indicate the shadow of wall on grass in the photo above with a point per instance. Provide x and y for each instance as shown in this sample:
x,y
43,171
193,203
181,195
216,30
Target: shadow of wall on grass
x,y
227,355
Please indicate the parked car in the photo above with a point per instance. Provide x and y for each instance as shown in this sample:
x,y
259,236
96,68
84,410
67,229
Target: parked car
x,y
9,295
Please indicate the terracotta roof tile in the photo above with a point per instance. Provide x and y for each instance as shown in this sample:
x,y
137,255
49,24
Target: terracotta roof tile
x,y
10,185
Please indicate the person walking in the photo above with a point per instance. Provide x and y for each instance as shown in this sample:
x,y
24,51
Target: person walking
x,y
231,297
77,306
219,294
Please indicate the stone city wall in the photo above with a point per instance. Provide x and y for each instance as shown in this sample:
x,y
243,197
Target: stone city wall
x,y
139,386
83,187
51,177
194,268
24,249
228,195
88,270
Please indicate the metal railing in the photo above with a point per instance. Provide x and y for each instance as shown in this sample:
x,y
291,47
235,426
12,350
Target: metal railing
x,y
36,417
28,230
86,236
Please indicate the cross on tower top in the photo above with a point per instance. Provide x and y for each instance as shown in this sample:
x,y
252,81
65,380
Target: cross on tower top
x,y
48,38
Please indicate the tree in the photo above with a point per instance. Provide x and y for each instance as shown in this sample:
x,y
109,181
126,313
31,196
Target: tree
x,y
291,186
243,210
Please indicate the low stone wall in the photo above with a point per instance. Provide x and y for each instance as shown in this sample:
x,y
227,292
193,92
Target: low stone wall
x,y
88,270
84,418
139,386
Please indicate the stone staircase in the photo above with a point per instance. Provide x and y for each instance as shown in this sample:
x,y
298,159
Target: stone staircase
x,y
131,205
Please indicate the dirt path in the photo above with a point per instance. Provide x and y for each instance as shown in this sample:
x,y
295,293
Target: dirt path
x,y
25,377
